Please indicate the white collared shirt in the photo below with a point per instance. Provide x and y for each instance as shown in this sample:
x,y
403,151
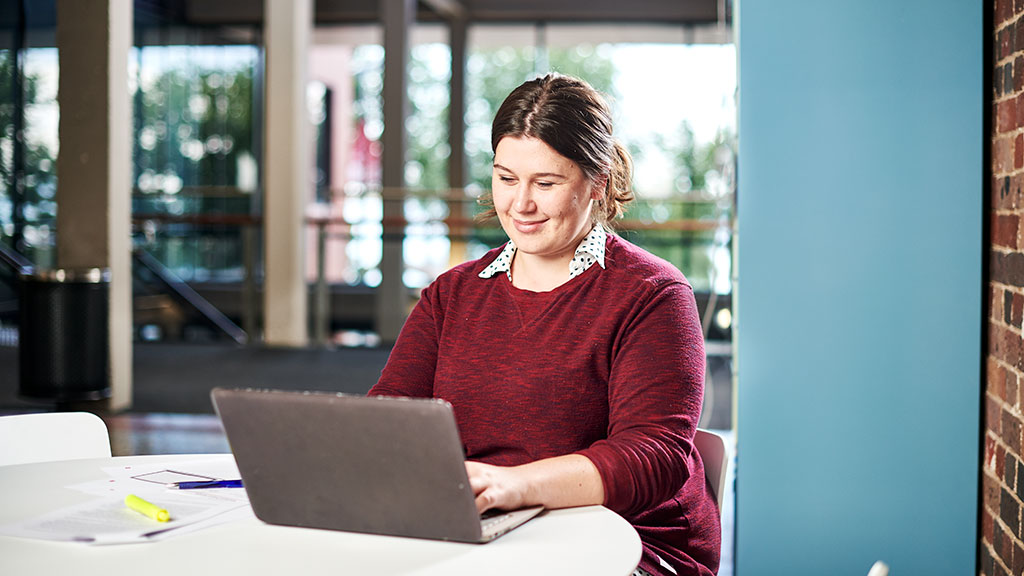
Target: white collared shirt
x,y
589,252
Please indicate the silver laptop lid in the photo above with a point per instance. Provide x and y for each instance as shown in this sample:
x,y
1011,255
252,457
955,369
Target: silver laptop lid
x,y
342,462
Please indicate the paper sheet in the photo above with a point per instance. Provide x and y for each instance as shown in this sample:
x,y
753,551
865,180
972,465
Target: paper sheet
x,y
106,520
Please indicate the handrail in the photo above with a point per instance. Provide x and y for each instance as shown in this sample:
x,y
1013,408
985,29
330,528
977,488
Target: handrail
x,y
185,294
676,225
14,260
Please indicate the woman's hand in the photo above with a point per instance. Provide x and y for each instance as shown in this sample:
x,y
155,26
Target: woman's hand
x,y
558,482
499,487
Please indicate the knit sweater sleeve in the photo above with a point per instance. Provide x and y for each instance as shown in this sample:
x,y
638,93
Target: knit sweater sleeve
x,y
655,392
412,363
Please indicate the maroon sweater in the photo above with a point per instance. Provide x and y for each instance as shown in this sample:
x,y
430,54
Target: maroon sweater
x,y
609,365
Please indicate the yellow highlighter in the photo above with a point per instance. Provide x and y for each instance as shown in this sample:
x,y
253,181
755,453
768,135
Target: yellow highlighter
x,y
142,507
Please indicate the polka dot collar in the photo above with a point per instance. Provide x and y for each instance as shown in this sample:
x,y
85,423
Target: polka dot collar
x,y
589,252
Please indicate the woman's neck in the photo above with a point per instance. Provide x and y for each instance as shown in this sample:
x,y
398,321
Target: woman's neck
x,y
538,274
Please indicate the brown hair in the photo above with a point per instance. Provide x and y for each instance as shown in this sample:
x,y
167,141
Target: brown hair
x,y
572,118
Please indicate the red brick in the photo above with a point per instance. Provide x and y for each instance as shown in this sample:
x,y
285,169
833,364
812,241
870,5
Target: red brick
x,y
1003,37
1004,11
1001,544
996,300
1006,189
1000,463
998,388
991,489
1017,314
1006,344
1014,350
1011,348
993,422
990,452
1011,434
1018,560
1018,151
1006,227
993,372
1018,31
995,331
1009,192
1018,6
1002,155
1006,113
1011,390
986,525
1018,67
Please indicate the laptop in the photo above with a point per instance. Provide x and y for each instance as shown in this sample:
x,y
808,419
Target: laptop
x,y
379,465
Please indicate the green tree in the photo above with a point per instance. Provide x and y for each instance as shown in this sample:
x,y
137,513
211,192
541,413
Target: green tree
x,y
27,190
193,125
495,73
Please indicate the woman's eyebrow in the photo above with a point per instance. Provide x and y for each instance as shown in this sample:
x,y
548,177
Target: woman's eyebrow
x,y
537,175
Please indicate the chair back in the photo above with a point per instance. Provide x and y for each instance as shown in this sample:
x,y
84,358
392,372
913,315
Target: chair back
x,y
27,438
711,448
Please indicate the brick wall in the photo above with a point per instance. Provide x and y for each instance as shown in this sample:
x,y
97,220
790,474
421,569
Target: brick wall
x,y
1002,534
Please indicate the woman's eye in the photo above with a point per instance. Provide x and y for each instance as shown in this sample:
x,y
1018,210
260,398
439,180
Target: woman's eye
x,y
545,185
506,179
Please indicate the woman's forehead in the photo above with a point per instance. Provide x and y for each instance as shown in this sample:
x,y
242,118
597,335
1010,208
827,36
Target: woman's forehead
x,y
527,154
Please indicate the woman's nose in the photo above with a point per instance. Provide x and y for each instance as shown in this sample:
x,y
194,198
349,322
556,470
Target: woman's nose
x,y
523,200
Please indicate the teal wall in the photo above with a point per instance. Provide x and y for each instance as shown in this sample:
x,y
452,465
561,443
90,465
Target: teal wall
x,y
859,285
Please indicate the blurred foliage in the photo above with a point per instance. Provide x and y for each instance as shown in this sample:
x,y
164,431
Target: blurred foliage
x,y
194,131
192,124
493,74
194,127
28,185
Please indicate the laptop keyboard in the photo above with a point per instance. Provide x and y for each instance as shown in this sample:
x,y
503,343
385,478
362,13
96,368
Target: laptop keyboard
x,y
489,522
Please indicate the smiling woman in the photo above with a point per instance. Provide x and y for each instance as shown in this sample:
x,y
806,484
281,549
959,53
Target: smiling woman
x,y
545,205
574,359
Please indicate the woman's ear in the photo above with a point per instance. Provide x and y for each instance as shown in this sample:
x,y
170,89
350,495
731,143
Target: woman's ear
x,y
598,188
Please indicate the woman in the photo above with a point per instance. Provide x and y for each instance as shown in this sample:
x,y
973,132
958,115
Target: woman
x,y
574,360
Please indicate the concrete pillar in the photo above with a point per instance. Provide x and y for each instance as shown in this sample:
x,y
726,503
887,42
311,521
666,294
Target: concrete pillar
x,y
392,297
286,169
94,166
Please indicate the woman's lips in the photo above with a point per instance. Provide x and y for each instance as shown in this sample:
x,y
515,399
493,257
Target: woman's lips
x,y
528,227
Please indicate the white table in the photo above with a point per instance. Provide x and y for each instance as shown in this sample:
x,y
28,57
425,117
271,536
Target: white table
x,y
588,540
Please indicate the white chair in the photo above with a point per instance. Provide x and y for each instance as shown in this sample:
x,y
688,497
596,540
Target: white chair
x,y
27,438
711,448
879,569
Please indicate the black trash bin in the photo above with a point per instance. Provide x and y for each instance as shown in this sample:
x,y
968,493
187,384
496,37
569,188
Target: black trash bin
x,y
64,349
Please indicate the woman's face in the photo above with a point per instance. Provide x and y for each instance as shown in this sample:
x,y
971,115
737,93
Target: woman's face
x,y
542,198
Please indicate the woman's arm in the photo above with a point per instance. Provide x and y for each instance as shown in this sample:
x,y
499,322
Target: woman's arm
x,y
655,391
413,360
559,482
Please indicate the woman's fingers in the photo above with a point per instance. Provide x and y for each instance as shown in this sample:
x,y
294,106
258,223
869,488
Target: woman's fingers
x,y
494,486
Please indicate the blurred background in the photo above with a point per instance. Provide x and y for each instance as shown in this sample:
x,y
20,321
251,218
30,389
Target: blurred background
x,y
197,75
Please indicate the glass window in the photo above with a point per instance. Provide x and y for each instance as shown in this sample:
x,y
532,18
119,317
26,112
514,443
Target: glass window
x,y
350,62
196,172
28,132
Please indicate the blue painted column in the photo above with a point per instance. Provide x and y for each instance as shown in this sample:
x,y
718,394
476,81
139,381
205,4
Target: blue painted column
x,y
859,285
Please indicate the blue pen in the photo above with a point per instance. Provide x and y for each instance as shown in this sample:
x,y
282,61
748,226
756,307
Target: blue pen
x,y
208,484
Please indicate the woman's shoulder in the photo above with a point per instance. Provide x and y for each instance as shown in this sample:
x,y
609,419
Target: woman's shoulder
x,y
458,275
634,263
